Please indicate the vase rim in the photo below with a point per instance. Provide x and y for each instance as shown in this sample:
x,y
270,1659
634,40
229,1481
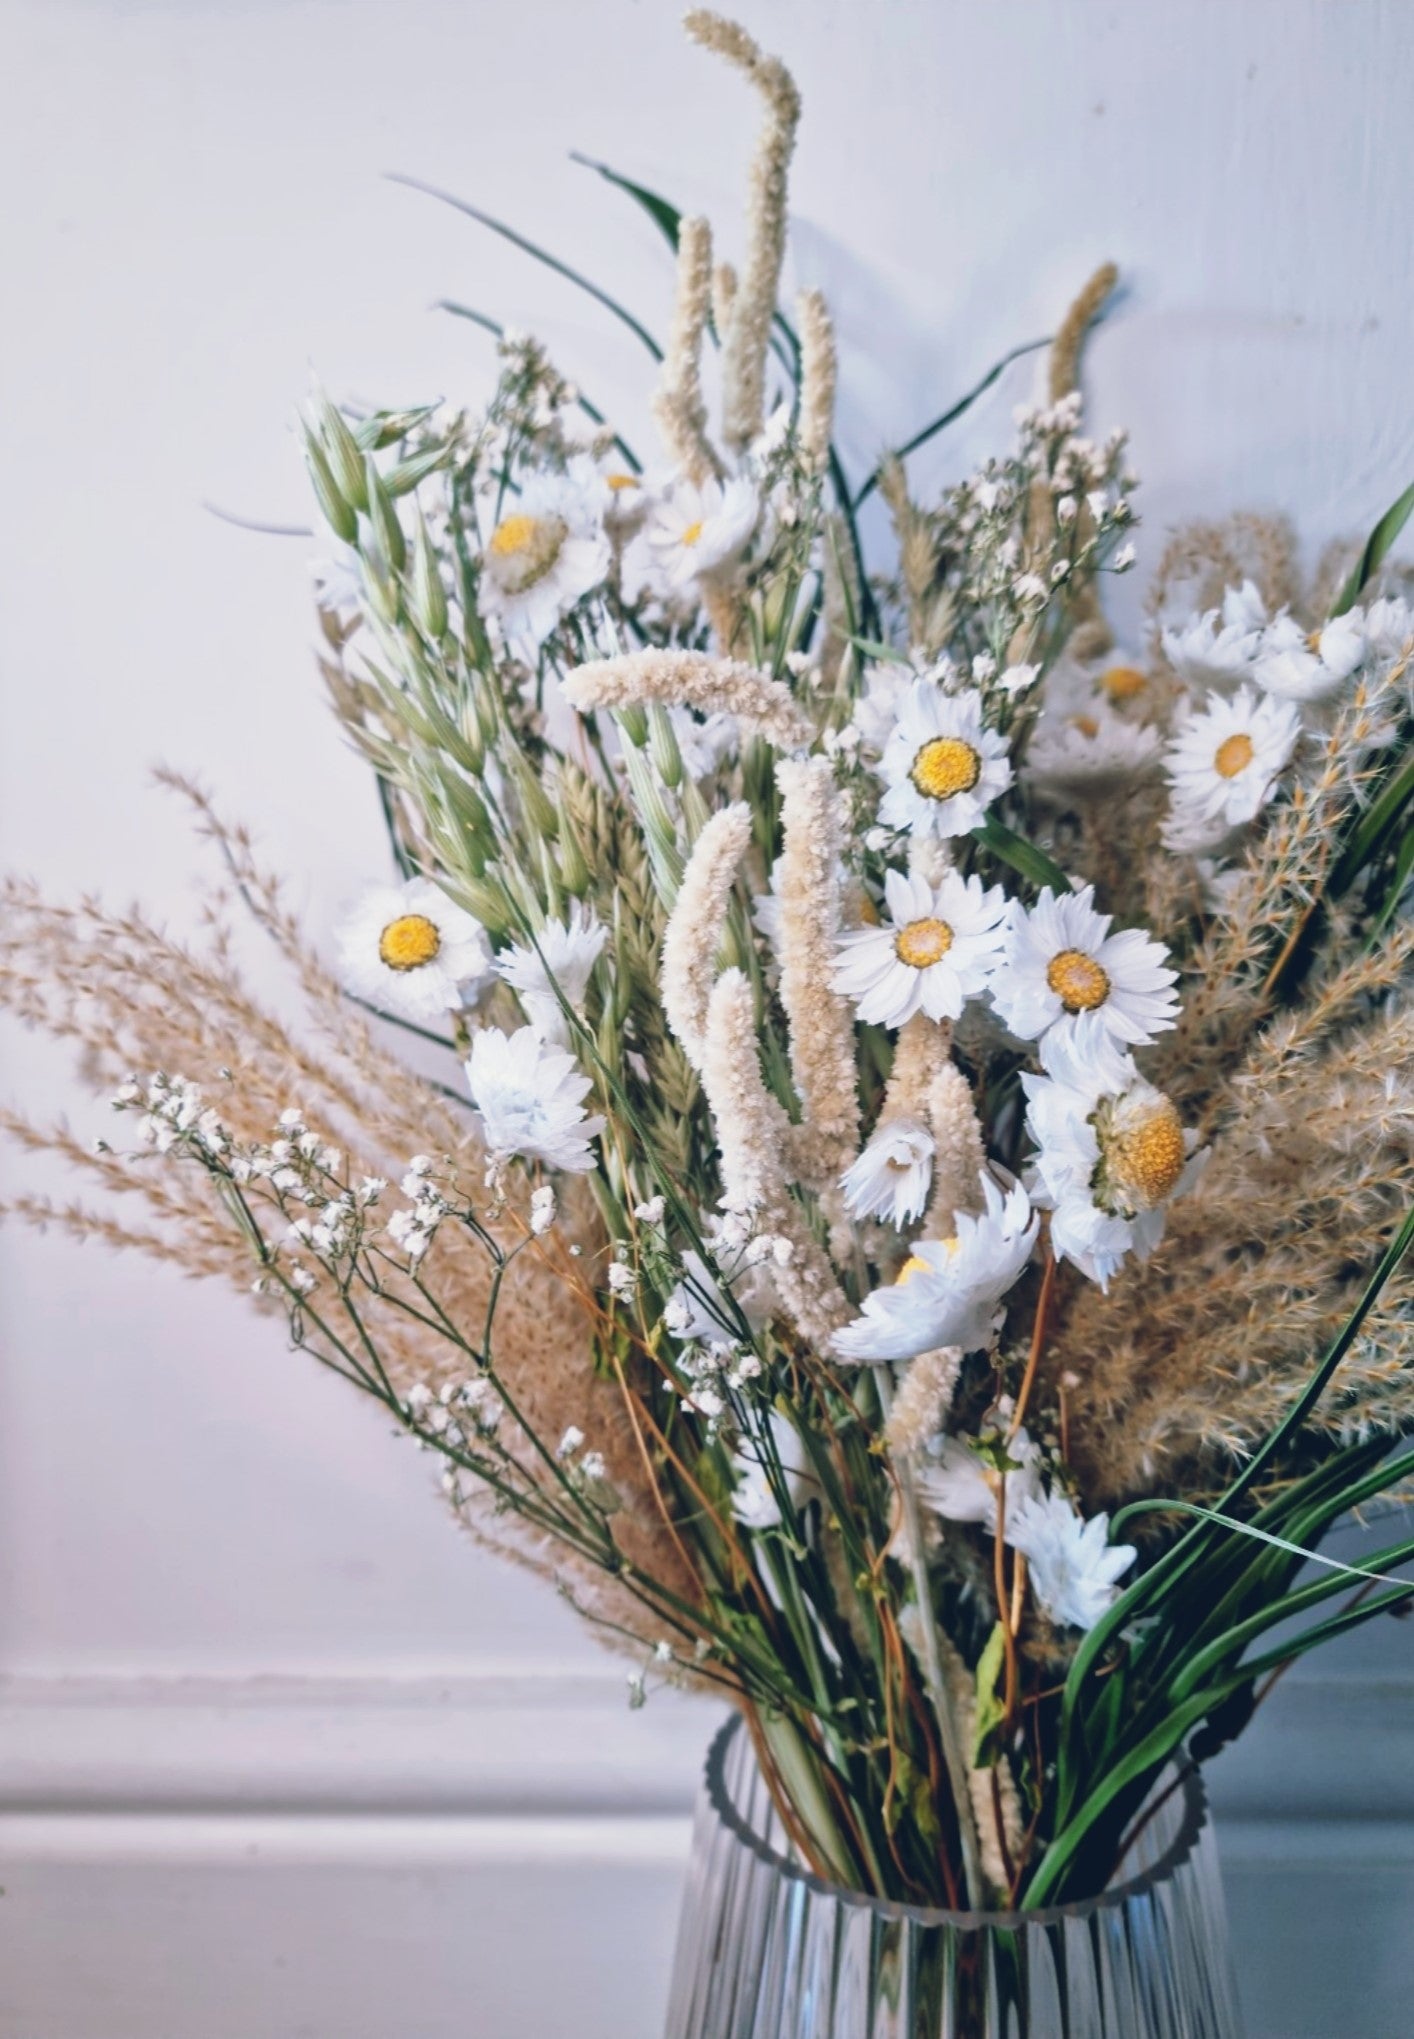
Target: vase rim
x,y
1178,1851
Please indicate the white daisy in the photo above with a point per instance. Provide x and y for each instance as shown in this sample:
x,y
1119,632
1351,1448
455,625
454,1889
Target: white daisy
x,y
530,1100
1223,765
690,533
1297,664
1113,1153
566,958
338,581
943,765
935,951
1389,625
754,1501
961,1484
948,1289
1073,1566
546,553
1090,754
704,741
876,712
1061,961
892,1176
410,950
1218,649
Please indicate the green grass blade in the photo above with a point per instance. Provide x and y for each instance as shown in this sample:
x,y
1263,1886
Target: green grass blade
x,y
538,254
950,416
664,216
1376,551
1023,856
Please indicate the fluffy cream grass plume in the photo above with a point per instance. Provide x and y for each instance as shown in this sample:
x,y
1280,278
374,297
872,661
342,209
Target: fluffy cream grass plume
x,y
923,1399
1063,366
1283,879
129,996
959,1153
817,380
1192,1358
747,334
753,1134
923,1048
678,404
693,679
694,932
821,1022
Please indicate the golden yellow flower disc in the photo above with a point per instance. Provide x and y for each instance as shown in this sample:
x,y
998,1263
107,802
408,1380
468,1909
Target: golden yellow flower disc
x,y
622,481
1077,980
1122,683
915,1264
525,548
1146,1160
693,532
1234,755
945,766
409,942
1086,724
922,943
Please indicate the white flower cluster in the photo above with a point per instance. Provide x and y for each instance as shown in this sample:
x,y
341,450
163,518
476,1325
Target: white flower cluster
x,y
453,1413
1074,1569
1257,684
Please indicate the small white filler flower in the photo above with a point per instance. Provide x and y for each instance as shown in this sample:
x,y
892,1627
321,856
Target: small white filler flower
x,y
936,950
1073,1565
1113,1152
1223,765
530,1100
948,1289
544,555
1062,962
566,955
944,767
410,949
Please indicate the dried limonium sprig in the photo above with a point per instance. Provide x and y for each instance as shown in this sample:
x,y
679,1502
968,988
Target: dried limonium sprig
x,y
918,1092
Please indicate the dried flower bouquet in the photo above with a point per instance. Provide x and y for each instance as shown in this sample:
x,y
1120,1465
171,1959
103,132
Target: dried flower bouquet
x,y
917,1244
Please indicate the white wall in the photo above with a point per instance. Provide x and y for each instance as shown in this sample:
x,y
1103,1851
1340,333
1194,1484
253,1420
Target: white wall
x,y
279,1753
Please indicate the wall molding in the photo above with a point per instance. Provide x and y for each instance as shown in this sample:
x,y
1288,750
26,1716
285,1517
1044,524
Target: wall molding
x,y
557,1757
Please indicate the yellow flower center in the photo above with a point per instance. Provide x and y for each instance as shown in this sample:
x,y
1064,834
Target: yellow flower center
x,y
916,1264
1234,755
525,548
1086,724
693,532
1146,1160
923,943
946,766
409,942
621,481
1077,980
1122,683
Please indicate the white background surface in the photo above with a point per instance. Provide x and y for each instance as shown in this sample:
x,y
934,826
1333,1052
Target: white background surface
x,y
280,1754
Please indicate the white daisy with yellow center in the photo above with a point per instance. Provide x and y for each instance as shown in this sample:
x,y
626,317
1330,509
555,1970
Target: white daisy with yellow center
x,y
948,1289
547,550
410,950
936,950
692,533
1090,754
1113,1153
1297,664
1224,763
944,767
1061,963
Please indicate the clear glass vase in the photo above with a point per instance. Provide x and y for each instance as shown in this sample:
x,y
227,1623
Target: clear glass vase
x,y
766,1950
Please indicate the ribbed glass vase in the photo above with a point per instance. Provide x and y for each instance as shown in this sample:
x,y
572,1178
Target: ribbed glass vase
x,y
766,1950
